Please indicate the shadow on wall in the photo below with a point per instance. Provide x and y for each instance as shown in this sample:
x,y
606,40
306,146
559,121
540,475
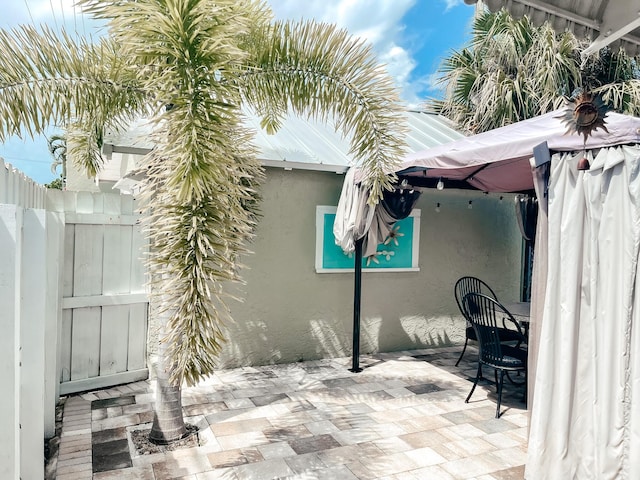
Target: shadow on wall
x,y
331,338
410,332
442,331
254,342
249,342
258,342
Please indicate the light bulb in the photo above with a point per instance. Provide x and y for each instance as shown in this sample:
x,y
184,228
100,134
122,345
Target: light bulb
x,y
440,184
437,207
470,204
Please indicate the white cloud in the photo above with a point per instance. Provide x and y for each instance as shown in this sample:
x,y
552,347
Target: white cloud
x,y
430,84
377,21
452,3
399,63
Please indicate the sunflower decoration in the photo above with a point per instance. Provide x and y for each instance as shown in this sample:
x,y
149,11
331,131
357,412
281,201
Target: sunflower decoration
x,y
585,114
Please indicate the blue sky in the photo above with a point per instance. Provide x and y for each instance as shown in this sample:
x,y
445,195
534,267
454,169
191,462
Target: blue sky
x,y
410,36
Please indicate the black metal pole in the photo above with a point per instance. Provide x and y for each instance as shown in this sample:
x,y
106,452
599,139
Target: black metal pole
x,y
357,293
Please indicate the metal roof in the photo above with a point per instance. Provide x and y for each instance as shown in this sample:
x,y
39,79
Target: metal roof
x,y
605,22
301,143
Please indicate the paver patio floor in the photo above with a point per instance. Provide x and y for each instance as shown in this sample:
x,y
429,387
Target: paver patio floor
x,y
402,418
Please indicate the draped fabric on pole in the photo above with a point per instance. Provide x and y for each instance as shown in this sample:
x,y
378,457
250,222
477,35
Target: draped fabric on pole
x,y
360,227
353,215
355,218
585,420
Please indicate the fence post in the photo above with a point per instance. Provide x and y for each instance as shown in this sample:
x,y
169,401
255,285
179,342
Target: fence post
x,y
10,255
33,293
53,318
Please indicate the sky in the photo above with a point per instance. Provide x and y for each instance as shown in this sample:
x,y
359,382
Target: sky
x,y
411,37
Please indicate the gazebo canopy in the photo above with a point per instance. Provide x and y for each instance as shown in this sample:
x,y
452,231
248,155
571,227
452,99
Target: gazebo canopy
x,y
498,160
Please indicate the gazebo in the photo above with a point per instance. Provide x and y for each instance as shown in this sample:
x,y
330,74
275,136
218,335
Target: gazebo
x,y
584,336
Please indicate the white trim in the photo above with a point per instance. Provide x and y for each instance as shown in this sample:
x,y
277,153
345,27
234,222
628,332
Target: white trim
x,y
103,381
316,167
104,300
321,210
367,270
287,165
101,219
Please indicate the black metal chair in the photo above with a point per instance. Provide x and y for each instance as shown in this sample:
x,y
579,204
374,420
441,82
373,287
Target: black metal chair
x,y
488,318
466,285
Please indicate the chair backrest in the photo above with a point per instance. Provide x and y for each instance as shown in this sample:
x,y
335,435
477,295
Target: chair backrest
x,y
488,318
467,285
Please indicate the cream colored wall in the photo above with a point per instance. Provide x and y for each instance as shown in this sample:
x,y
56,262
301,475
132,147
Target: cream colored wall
x,y
291,313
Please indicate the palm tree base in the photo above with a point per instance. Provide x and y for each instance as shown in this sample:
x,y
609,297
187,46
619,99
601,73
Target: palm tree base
x,y
168,423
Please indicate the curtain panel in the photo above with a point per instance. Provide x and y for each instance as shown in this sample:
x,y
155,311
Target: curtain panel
x,y
585,418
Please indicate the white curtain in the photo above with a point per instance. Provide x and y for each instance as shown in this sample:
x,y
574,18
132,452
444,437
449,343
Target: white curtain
x,y
539,277
585,420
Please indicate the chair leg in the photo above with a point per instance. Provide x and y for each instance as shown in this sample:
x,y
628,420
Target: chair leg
x,y
499,392
466,340
475,382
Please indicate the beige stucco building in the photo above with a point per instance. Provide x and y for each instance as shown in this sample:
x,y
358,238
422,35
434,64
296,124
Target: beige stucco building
x,y
291,312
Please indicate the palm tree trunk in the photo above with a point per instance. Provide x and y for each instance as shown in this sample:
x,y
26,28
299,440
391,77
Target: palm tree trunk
x,y
168,422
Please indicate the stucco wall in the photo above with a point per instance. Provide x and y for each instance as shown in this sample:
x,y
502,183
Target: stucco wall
x,y
291,313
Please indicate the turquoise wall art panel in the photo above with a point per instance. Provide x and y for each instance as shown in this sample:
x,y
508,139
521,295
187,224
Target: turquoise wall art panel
x,y
398,253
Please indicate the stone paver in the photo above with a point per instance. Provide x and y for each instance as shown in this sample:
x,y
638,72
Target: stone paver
x,y
402,418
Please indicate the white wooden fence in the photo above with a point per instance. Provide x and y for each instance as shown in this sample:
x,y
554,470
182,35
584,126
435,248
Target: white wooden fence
x,y
18,189
73,309
104,316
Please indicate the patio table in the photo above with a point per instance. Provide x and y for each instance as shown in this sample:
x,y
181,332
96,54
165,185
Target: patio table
x,y
521,312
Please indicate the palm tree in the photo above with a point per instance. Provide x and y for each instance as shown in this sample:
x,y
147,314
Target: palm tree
x,y
191,66
57,145
512,70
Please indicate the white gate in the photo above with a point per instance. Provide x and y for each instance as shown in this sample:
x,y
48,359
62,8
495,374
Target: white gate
x,y
105,305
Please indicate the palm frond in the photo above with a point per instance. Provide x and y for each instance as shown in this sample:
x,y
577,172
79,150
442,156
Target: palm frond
x,y
622,96
84,146
513,70
319,71
48,78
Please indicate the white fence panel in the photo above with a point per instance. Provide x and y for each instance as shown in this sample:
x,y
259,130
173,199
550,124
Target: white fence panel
x,y
10,254
104,319
32,342
53,316
18,189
